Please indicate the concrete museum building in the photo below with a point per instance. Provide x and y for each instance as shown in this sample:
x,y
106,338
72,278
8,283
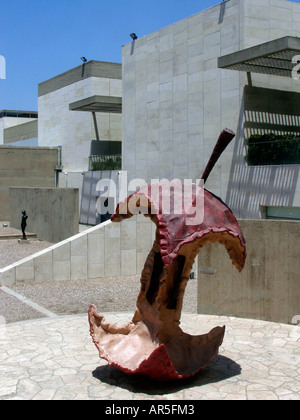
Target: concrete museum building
x,y
228,66
166,104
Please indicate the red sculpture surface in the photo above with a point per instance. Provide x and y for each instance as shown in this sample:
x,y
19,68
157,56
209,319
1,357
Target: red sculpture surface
x,y
153,344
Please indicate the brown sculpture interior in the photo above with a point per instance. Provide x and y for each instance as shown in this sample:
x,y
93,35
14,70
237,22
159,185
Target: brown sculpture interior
x,y
159,305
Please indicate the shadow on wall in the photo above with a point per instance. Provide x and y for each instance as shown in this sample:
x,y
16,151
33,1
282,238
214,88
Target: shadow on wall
x,y
263,111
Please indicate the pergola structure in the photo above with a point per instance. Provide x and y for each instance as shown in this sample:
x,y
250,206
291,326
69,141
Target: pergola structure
x,y
272,58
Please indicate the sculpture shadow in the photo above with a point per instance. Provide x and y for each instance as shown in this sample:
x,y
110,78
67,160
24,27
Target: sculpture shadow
x,y
221,369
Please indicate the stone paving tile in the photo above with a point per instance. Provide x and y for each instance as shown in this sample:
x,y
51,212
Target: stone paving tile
x,y
55,359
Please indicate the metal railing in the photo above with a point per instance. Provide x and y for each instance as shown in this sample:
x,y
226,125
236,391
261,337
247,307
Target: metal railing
x,y
105,162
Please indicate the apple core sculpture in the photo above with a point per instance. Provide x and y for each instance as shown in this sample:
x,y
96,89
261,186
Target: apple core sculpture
x,y
153,344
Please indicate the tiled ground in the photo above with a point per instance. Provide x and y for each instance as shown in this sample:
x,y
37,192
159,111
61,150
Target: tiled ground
x,y
54,358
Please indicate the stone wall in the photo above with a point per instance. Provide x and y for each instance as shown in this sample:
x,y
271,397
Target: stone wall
x,y
106,250
53,213
269,286
25,167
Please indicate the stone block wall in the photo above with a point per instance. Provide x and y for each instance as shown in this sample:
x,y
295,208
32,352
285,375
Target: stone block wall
x,y
25,167
53,213
176,100
269,286
106,250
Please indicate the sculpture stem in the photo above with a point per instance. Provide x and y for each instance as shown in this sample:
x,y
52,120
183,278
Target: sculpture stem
x,y
223,141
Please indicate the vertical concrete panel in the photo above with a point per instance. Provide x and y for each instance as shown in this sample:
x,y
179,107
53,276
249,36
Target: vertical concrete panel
x,y
8,276
25,271
269,286
43,267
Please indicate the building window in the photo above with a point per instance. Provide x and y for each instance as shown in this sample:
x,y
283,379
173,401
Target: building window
x,y
282,213
273,149
18,114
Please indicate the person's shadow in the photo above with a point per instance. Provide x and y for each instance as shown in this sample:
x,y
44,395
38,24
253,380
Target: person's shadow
x,y
219,370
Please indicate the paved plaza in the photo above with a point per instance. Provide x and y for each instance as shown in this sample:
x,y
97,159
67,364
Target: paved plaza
x,y
54,358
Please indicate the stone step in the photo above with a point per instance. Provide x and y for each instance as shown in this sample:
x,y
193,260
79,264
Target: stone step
x,y
17,236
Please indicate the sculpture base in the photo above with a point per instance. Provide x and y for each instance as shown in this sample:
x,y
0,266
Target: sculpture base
x,y
23,241
134,349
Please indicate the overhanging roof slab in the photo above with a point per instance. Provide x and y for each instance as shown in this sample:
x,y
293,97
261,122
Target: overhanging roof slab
x,y
97,103
272,58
